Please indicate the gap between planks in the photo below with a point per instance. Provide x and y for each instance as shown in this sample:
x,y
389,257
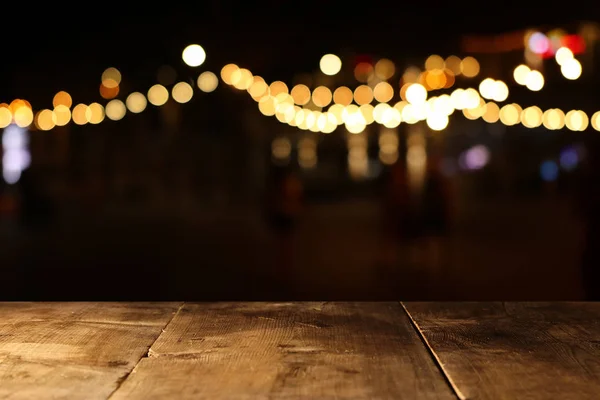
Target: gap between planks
x,y
147,353
434,356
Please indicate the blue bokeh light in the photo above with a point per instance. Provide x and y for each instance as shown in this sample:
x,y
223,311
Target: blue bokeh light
x,y
549,171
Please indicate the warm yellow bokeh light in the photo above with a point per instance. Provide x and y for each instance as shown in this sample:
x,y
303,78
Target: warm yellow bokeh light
x,y
434,79
109,93
491,113
242,79
520,74
44,120
384,69
61,115
571,69
301,94
510,114
62,98
383,92
193,55
562,55
259,88
434,62
136,102
553,119
115,110
363,95
322,96
437,121
469,67
367,112
532,117
266,105
158,95
18,103
182,92
534,81
453,64
23,117
81,114
5,117
486,88
576,120
493,90
207,82
595,121
416,94
343,95
277,87
330,64
337,110
363,72
227,72
95,113
111,78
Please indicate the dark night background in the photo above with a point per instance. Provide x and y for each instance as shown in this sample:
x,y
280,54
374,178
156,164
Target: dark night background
x,y
516,243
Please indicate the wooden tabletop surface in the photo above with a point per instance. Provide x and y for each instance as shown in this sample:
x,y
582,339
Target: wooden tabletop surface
x,y
299,350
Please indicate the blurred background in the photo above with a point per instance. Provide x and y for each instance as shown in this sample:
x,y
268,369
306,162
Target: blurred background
x,y
300,151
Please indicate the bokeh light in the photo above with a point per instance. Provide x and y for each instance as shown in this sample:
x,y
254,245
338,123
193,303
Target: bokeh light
x,y
469,67
207,82
62,98
182,92
534,81
136,102
5,116
301,94
330,64
61,115
571,69
193,55
115,110
520,74
80,115
416,94
44,120
562,55
158,95
111,78
383,92
322,96
227,72
343,95
384,69
109,93
95,113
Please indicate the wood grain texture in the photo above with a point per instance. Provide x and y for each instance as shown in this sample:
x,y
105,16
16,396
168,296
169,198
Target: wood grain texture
x,y
287,351
515,350
74,350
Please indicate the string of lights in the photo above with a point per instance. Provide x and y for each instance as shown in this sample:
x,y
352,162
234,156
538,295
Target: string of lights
x,y
304,108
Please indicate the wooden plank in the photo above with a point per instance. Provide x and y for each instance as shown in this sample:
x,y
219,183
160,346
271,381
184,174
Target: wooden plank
x,y
147,313
74,350
287,350
515,350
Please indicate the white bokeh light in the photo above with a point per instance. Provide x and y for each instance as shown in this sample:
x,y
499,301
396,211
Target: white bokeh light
x,y
194,55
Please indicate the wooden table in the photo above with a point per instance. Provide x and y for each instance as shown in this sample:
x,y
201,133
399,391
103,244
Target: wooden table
x,y
299,350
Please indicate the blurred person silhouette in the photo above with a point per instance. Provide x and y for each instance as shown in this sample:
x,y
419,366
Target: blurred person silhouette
x,y
284,205
435,210
589,206
398,221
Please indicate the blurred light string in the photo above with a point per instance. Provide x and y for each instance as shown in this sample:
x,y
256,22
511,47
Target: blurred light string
x,y
303,108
